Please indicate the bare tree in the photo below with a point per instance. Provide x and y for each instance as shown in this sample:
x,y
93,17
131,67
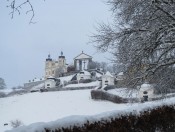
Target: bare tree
x,y
16,123
94,65
59,72
71,68
142,37
16,7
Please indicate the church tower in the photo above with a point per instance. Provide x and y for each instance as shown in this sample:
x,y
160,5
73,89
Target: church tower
x,y
61,60
48,66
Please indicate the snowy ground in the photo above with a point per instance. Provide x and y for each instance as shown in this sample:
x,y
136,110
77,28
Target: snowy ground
x,y
66,78
96,83
124,92
50,106
37,87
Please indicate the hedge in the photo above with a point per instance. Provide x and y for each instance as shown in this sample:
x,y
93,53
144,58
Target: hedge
x,y
161,119
103,95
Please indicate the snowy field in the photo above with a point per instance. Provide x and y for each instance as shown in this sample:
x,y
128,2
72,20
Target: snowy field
x,y
61,108
124,92
96,83
50,106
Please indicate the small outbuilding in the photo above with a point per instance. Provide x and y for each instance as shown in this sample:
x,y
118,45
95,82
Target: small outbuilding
x,y
83,75
146,92
107,79
51,82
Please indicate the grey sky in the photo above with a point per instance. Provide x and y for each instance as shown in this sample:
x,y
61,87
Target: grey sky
x,y
61,26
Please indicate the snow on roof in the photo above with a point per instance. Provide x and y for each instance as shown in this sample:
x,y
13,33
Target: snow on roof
x,y
50,77
120,74
66,78
50,80
98,74
146,86
108,74
85,73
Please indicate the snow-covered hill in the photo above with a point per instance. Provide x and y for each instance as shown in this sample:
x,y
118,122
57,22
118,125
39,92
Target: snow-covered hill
x,y
64,109
50,106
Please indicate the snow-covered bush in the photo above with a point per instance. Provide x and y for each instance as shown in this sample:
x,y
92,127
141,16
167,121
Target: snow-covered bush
x,y
160,119
102,95
16,123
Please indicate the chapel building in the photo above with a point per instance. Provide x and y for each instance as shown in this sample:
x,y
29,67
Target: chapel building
x,y
82,61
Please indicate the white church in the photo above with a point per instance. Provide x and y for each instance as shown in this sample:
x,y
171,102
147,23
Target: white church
x,y
82,61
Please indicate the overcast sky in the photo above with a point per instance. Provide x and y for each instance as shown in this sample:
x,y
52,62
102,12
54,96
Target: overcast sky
x,y
62,25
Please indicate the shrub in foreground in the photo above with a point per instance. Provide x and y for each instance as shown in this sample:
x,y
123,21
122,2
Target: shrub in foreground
x,y
161,119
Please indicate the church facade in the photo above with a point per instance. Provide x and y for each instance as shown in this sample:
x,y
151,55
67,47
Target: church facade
x,y
55,67
82,61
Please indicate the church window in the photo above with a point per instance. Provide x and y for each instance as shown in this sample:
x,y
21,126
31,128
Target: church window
x,y
53,72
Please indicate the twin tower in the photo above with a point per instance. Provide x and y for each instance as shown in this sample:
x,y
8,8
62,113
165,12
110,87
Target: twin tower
x,y
55,68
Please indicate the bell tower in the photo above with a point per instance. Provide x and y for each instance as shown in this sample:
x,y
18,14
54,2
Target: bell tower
x,y
61,60
48,65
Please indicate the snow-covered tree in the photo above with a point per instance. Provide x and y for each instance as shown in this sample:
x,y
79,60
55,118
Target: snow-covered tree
x,y
94,65
2,83
59,72
142,37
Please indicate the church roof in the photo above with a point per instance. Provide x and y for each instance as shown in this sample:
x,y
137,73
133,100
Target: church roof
x,y
146,86
82,56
